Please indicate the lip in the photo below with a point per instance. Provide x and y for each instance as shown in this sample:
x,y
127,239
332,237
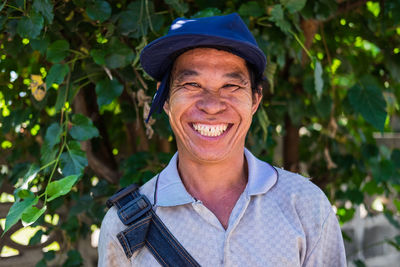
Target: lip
x,y
229,126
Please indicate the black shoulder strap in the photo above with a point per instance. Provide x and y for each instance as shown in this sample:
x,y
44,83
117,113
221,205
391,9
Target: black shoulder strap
x,y
145,228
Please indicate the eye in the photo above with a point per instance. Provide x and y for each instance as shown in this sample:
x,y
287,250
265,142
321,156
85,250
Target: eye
x,y
232,87
192,84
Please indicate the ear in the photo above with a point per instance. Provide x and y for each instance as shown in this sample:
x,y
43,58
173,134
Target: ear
x,y
166,104
166,107
257,97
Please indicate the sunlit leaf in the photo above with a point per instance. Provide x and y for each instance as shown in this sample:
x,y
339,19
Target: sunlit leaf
x,y
38,87
83,128
16,211
28,177
31,215
61,187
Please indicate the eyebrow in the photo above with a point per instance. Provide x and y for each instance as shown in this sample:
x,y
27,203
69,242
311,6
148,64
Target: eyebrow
x,y
237,75
181,75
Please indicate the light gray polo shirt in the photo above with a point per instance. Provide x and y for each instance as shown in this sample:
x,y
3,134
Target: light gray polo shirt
x,y
281,219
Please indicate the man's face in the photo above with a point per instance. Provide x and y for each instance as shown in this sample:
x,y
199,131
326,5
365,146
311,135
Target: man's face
x,y
211,105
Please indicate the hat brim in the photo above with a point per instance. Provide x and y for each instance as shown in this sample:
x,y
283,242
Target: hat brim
x,y
156,57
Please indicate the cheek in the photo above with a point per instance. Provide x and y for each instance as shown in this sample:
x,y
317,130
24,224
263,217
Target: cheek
x,y
176,107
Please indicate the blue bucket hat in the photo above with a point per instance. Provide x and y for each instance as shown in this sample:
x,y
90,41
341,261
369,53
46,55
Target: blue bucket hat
x,y
223,32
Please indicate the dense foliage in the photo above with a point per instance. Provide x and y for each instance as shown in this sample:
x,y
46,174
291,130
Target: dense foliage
x,y
73,97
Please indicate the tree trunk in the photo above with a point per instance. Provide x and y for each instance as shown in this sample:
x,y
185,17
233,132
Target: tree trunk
x,y
291,142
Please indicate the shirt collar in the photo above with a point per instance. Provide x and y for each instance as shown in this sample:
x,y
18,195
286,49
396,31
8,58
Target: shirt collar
x,y
172,192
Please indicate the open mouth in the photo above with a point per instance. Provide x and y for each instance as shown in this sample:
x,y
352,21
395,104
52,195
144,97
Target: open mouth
x,y
210,130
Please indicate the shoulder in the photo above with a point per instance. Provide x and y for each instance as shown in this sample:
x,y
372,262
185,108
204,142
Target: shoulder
x,y
299,196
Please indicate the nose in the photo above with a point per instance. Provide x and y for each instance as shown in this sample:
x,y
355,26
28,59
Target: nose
x,y
211,103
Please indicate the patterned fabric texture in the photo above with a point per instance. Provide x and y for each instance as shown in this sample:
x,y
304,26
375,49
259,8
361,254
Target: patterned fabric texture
x,y
281,219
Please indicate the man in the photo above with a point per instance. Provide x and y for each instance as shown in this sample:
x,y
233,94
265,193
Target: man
x,y
224,206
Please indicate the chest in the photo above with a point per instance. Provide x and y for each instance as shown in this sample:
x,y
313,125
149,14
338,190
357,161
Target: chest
x,y
255,236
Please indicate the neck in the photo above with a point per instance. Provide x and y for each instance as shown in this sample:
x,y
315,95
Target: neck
x,y
212,181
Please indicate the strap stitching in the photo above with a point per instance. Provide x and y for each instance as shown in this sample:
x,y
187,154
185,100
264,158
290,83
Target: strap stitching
x,y
126,245
183,253
136,226
155,251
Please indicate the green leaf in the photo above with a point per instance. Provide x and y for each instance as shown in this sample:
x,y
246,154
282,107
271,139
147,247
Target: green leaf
x,y
56,74
99,11
372,188
16,211
277,16
61,98
40,45
61,187
23,193
31,215
74,259
270,71
393,221
98,56
45,7
47,154
359,263
318,81
2,5
383,171
396,202
293,5
83,128
251,8
120,58
263,121
107,91
53,134
57,51
207,12
367,99
179,7
30,27
395,158
119,55
36,238
74,160
28,177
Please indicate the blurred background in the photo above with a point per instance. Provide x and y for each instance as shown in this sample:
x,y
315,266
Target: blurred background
x,y
73,98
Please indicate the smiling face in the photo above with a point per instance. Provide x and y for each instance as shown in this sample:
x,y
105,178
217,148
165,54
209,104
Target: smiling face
x,y
211,105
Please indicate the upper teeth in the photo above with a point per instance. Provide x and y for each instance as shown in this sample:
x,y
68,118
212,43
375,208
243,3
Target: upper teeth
x,y
210,130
